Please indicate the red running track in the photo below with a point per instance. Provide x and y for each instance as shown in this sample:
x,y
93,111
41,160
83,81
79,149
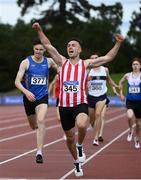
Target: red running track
x,y
115,158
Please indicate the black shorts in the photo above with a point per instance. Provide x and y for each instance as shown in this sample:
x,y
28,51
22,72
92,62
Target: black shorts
x,y
57,102
30,106
92,100
68,115
135,106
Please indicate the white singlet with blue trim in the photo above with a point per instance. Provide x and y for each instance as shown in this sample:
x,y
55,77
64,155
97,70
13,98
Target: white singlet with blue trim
x,y
134,87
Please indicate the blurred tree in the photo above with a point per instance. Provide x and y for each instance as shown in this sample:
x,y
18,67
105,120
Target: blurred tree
x,y
134,33
16,45
58,11
60,20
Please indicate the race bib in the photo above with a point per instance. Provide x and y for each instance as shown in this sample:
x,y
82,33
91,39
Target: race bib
x,y
134,89
71,86
96,86
38,81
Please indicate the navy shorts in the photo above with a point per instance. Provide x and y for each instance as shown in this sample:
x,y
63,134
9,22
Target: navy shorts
x,y
92,100
30,106
57,102
135,106
68,115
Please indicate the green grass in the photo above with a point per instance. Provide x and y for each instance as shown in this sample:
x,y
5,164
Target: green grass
x,y
116,78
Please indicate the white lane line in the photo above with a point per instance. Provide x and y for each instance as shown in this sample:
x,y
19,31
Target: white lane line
x,y
96,153
49,116
28,152
28,133
22,118
13,126
31,151
25,134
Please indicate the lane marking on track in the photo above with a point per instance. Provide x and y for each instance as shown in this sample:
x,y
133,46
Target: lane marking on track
x,y
32,132
96,153
23,118
28,133
49,117
31,151
53,142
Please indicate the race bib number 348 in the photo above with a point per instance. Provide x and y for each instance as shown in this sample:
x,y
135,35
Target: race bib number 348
x,y
38,80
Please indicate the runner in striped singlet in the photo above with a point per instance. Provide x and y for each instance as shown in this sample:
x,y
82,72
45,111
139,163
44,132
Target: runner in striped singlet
x,y
73,105
133,100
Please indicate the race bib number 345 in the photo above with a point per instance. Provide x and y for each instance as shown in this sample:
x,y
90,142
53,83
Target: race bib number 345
x,y
71,86
38,81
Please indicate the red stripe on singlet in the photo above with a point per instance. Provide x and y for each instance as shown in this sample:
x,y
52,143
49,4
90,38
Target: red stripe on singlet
x,y
82,81
75,79
68,79
57,87
61,83
85,90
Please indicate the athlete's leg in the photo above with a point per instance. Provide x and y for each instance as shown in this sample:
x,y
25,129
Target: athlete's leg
x,y
137,132
98,110
138,127
102,120
41,111
131,121
131,118
91,116
81,122
70,134
32,121
58,115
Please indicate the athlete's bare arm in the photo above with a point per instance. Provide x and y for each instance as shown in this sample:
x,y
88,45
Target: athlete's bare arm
x,y
121,83
52,84
108,57
59,59
52,64
23,67
110,80
114,86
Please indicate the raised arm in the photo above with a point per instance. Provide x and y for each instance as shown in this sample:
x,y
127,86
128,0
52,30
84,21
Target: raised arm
x,y
109,56
47,44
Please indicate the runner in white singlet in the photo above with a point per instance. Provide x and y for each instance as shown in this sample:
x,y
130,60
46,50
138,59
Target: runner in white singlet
x,y
73,106
97,99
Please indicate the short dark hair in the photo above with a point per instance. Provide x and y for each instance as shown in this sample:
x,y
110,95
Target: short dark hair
x,y
75,39
136,59
36,41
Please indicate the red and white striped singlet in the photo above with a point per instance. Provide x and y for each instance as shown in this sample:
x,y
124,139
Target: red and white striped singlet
x,y
73,81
